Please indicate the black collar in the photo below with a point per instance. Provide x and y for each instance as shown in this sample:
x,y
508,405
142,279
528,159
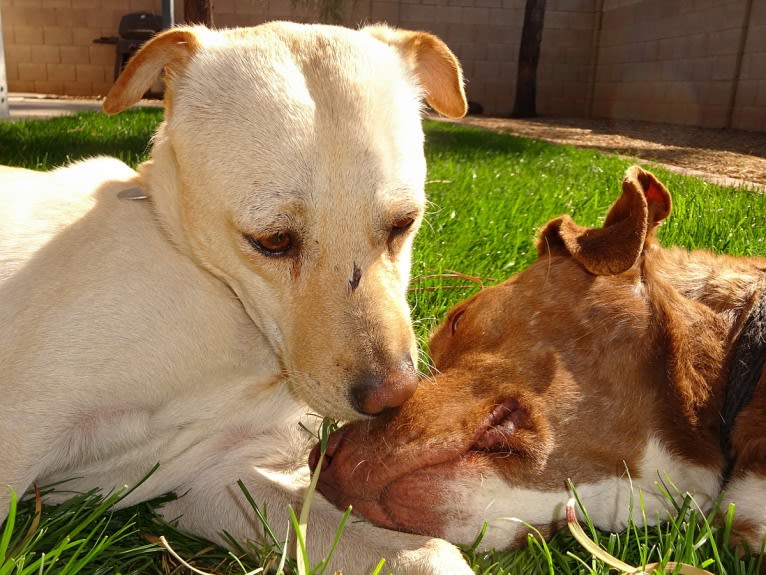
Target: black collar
x,y
747,363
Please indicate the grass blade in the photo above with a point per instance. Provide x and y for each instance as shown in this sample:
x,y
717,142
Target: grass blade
x,y
9,524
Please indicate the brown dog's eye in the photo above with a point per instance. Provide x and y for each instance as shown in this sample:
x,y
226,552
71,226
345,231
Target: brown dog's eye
x,y
277,244
454,320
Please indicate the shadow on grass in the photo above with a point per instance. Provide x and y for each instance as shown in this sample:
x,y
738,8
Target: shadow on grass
x,y
455,139
41,144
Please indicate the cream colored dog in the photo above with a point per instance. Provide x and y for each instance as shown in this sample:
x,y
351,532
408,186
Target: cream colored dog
x,y
263,277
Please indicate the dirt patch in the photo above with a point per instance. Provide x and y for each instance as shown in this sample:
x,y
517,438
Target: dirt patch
x,y
726,157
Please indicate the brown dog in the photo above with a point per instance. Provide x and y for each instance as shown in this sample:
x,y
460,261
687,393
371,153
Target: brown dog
x,y
611,361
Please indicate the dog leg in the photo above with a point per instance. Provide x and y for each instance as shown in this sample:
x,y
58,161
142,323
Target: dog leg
x,y
20,472
746,492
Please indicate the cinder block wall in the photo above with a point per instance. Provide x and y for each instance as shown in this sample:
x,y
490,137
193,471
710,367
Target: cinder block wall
x,y
484,34
749,109
49,43
698,62
567,58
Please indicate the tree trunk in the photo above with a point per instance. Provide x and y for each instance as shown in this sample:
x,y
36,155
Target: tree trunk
x,y
198,12
529,55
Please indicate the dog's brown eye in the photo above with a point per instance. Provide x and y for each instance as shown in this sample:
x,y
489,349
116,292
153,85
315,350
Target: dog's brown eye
x,y
275,245
399,227
455,319
402,224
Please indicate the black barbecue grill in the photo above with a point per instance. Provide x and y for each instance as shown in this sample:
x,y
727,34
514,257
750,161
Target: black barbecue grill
x,y
134,29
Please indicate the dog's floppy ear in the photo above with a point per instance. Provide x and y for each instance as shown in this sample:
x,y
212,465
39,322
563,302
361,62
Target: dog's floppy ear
x,y
434,65
641,187
170,50
615,247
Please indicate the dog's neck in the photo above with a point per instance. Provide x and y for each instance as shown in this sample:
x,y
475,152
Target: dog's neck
x,y
702,304
159,176
724,284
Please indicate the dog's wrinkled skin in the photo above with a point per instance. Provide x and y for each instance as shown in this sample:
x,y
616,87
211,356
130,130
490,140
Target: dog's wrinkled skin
x,y
263,278
604,362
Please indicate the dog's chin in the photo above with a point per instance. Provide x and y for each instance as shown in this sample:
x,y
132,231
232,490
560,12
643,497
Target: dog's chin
x,y
335,403
416,493
423,502
419,502
340,412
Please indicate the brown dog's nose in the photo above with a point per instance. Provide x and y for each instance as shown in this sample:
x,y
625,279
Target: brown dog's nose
x,y
374,393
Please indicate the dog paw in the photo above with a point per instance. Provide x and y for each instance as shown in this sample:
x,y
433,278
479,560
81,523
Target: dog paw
x,y
436,557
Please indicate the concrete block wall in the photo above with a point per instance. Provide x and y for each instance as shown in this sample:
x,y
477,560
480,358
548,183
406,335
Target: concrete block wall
x,y
483,33
698,62
749,110
566,68
677,62
49,43
4,109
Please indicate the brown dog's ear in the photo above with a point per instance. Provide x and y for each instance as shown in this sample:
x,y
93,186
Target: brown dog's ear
x,y
615,247
170,50
435,66
640,186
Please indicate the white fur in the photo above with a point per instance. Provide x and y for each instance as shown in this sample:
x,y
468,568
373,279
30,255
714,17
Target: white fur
x,y
747,491
609,502
137,332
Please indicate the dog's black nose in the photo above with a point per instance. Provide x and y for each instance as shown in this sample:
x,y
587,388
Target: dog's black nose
x,y
373,393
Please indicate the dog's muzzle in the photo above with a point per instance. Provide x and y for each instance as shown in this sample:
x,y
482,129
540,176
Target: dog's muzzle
x,y
373,393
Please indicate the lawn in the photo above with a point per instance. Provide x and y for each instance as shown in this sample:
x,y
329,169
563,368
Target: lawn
x,y
488,195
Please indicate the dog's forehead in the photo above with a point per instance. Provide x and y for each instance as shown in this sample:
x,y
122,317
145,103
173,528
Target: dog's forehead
x,y
298,70
289,84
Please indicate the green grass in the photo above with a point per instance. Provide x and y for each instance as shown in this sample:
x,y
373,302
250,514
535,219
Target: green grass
x,y
488,195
